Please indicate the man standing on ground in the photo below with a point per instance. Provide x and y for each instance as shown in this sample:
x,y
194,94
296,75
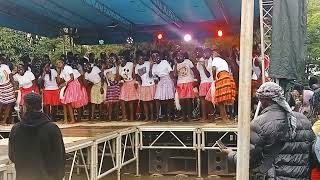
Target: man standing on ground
x,y
281,140
36,145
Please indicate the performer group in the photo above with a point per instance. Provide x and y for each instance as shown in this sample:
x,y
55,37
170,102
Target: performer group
x,y
153,85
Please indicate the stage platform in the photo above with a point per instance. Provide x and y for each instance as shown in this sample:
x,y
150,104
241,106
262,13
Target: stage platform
x,y
91,145
87,124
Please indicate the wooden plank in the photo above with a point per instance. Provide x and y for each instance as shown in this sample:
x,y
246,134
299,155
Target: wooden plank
x,y
246,39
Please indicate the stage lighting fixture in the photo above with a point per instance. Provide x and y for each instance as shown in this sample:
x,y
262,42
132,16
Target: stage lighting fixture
x,y
187,37
101,41
159,36
220,33
130,40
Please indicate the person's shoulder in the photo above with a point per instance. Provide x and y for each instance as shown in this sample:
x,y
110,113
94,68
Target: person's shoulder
x,y
300,116
54,71
51,127
164,62
138,66
267,118
96,68
259,120
4,66
29,73
189,62
302,119
67,67
147,63
16,126
217,59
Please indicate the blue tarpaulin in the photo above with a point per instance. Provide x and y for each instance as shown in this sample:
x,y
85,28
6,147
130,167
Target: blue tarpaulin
x,y
115,20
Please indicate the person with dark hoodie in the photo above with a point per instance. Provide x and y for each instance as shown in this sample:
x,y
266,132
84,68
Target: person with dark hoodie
x,y
35,144
280,139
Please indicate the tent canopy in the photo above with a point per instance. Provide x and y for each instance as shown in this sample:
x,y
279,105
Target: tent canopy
x,y
114,20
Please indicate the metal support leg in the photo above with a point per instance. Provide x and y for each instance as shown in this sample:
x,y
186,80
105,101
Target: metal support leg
x,y
199,153
118,153
136,141
5,174
94,161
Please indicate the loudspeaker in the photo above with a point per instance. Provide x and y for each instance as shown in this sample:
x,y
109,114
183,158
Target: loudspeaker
x,y
158,161
218,163
165,161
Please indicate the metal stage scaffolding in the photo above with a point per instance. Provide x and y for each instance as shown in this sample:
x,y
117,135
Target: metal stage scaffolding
x,y
161,136
118,148
107,153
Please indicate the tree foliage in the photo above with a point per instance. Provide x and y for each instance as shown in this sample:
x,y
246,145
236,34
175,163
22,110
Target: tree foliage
x,y
16,44
313,30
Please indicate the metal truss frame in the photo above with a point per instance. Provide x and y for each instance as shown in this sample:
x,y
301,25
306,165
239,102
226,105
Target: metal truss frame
x,y
77,152
116,146
196,138
104,9
125,137
7,172
225,131
119,143
4,171
266,9
170,16
109,146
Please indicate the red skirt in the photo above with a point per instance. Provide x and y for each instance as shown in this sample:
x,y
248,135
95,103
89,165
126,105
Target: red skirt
x,y
129,92
75,94
315,174
51,97
204,89
185,90
25,91
147,93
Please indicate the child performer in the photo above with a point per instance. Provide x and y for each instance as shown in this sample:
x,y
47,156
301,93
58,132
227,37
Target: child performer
x,y
7,95
204,58
93,76
225,92
75,95
147,85
51,93
165,89
26,82
129,87
111,74
185,71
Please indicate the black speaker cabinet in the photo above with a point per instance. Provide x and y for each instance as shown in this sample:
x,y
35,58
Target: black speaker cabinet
x,y
158,161
164,161
218,163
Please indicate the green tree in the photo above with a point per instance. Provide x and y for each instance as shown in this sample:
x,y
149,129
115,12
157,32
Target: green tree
x,y
14,43
313,32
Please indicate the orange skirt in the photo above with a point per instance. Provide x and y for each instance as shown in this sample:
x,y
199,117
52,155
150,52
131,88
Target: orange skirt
x,y
225,89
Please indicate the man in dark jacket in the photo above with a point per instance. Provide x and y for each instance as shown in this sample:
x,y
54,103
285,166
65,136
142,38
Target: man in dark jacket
x,y
281,140
36,145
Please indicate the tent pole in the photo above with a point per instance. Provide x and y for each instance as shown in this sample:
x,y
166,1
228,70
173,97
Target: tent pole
x,y
64,44
262,48
246,39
